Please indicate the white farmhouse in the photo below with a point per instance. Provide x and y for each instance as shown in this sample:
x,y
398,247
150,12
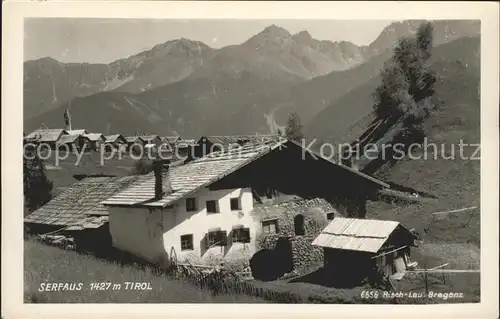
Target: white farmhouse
x,y
205,208
175,214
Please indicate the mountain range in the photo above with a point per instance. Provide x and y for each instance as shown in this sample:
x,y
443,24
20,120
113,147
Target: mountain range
x,y
186,87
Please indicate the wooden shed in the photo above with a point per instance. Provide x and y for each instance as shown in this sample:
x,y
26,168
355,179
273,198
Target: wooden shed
x,y
356,246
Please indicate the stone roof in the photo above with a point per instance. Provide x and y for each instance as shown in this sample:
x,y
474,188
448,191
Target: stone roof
x,y
76,204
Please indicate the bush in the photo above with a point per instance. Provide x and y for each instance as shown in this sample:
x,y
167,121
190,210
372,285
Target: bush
x,y
37,187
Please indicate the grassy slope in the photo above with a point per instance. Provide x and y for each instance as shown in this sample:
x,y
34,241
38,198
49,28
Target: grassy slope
x,y
45,264
455,181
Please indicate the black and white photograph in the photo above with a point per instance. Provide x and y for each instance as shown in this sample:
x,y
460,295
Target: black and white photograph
x,y
252,161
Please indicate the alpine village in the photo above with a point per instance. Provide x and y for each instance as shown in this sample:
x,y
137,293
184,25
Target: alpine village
x,y
247,206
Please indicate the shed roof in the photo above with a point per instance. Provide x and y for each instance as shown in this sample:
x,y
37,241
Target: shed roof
x,y
76,204
49,135
94,136
366,235
189,178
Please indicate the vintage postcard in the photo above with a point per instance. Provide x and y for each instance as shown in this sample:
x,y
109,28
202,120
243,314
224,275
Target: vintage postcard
x,y
250,155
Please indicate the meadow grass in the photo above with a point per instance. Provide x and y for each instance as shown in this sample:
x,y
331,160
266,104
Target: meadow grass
x,y
46,264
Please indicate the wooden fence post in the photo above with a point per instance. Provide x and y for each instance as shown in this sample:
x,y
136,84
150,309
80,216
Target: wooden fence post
x,y
425,276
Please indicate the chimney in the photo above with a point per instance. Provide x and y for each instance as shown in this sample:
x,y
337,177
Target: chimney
x,y
161,170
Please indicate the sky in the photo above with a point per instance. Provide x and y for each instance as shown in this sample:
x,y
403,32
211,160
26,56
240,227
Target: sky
x,y
96,40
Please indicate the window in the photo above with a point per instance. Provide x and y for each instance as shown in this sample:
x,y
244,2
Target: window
x,y
330,216
270,227
216,238
235,204
190,204
299,225
211,206
241,235
187,242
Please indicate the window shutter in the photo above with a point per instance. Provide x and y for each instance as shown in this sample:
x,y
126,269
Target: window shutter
x,y
207,240
246,235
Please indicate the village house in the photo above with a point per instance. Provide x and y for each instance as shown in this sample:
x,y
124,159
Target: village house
x,y
171,140
357,246
152,140
208,144
72,142
205,208
77,212
115,141
47,136
95,141
134,143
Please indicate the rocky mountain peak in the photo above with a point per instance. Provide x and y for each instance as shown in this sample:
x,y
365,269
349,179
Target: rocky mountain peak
x,y
303,37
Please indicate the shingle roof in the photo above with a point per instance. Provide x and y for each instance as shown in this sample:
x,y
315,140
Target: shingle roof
x,y
80,201
78,132
65,139
241,139
94,136
189,178
50,135
366,235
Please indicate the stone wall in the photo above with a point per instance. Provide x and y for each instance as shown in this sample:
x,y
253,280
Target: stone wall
x,y
304,254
